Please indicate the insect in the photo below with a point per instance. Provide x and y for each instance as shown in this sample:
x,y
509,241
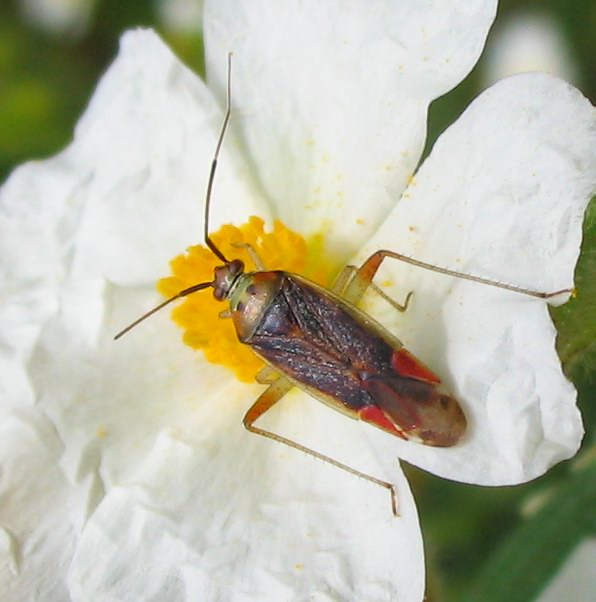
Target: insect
x,y
318,340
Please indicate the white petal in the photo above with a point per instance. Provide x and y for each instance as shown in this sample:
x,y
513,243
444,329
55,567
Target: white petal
x,y
36,535
159,125
332,98
236,517
502,196
98,411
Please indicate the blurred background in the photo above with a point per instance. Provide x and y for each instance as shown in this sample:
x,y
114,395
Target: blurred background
x,y
535,541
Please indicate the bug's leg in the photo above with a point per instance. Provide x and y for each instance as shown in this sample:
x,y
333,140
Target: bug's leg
x,y
363,277
368,269
267,400
266,375
342,284
342,280
256,258
399,306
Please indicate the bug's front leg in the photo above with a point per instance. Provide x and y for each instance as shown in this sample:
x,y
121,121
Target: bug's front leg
x,y
351,285
267,400
266,375
363,277
256,258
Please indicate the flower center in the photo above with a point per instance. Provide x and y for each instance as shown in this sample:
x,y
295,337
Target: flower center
x,y
198,314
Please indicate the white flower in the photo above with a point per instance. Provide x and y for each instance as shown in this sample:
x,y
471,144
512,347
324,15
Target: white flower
x,y
126,473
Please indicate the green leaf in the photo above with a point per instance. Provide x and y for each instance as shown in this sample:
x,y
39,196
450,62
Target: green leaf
x,y
522,567
576,320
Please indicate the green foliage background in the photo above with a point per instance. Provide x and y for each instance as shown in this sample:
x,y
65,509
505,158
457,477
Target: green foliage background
x,y
482,544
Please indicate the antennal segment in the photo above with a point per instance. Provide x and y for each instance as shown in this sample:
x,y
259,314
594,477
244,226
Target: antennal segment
x,y
224,127
184,293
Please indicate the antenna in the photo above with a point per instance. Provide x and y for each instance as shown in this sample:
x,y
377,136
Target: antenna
x,y
208,241
184,293
224,127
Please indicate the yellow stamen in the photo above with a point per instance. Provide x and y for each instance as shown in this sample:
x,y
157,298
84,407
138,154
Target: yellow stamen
x,y
198,314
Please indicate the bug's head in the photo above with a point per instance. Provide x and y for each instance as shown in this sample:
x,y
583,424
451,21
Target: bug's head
x,y
224,278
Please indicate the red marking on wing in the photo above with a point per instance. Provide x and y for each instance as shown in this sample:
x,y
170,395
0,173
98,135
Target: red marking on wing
x,y
376,416
405,364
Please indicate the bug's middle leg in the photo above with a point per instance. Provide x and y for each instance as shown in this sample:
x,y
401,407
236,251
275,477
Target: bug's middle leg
x,y
267,400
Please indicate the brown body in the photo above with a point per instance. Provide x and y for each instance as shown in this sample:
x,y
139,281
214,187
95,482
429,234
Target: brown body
x,y
340,355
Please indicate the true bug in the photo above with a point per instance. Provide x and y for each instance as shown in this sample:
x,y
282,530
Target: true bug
x,y
318,340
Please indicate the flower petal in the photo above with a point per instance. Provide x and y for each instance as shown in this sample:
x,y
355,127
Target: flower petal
x,y
501,196
332,98
36,530
160,125
98,411
236,517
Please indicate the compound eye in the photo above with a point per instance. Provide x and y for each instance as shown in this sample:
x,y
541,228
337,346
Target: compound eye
x,y
236,267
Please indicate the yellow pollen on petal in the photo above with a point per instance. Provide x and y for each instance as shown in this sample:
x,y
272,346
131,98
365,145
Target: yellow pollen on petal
x,y
198,314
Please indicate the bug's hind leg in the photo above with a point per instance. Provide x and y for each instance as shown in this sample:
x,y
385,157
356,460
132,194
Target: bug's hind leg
x,y
366,272
354,292
267,400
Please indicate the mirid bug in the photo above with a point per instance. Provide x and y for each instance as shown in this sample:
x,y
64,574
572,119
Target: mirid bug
x,y
318,340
